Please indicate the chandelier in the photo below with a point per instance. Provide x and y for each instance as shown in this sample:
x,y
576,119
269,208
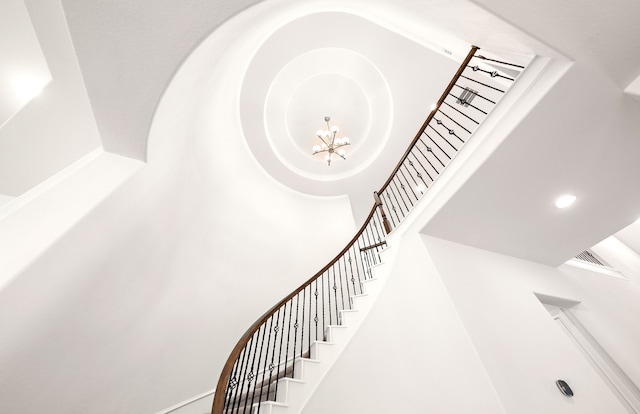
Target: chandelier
x,y
330,145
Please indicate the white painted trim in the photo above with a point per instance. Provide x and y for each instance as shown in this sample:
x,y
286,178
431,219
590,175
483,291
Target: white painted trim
x,y
633,89
604,270
54,206
619,383
49,183
556,301
184,403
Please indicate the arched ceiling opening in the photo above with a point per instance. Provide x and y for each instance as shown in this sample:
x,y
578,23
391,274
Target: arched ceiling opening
x,y
376,85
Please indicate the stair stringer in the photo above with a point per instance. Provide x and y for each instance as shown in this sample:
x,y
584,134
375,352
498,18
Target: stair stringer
x,y
310,372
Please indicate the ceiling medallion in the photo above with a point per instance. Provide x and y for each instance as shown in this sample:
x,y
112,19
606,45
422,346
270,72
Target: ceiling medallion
x,y
330,144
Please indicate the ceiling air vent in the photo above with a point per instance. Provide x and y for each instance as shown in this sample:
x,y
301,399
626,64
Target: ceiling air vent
x,y
589,257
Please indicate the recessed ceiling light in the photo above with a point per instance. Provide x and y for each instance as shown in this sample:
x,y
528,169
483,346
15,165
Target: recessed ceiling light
x,y
565,201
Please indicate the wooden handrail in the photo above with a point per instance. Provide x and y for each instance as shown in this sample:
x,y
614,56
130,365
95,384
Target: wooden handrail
x,y
385,220
373,246
373,240
446,92
218,399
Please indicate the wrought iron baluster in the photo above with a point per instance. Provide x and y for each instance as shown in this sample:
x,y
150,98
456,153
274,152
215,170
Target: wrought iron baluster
x,y
385,203
335,291
439,147
346,275
264,368
395,197
304,306
443,137
456,122
234,383
389,194
351,272
316,319
462,113
251,376
242,375
424,160
400,170
272,365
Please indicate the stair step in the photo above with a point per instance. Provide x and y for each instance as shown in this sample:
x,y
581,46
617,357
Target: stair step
x,y
320,347
299,377
287,386
306,369
336,333
349,316
359,300
271,407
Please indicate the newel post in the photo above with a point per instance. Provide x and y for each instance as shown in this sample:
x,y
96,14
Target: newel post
x,y
385,220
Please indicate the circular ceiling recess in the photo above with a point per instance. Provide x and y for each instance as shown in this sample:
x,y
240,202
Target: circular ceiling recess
x,y
351,69
333,82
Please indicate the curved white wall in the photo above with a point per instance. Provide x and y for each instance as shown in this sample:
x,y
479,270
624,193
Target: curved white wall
x,y
136,307
459,329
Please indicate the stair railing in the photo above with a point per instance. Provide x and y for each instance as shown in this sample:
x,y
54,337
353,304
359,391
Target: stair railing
x,y
269,350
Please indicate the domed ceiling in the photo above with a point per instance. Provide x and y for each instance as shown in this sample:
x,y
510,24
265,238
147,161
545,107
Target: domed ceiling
x,y
352,70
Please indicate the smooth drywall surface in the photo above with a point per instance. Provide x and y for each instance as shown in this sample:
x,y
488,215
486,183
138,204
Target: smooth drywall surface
x,y
31,223
521,347
23,69
198,405
56,128
137,306
411,354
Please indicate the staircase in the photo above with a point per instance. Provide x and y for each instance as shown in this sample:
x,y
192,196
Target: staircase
x,y
282,358
299,379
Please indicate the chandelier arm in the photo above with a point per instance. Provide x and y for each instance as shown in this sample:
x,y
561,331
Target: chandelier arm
x,y
325,142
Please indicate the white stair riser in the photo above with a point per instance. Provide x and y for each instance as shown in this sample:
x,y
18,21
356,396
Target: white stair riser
x,y
288,387
337,333
309,372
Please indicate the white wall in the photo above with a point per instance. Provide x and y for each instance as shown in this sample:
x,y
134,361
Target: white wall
x,y
137,306
459,329
412,353
522,349
57,127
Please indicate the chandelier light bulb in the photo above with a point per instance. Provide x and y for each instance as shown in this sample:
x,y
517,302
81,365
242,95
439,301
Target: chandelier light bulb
x,y
330,143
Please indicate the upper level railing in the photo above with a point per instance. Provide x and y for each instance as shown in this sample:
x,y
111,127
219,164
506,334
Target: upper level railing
x,y
269,349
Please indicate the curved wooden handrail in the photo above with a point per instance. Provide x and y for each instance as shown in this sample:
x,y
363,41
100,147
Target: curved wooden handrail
x,y
446,92
218,401
404,175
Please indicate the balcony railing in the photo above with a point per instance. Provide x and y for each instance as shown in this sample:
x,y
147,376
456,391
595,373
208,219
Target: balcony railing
x,y
270,348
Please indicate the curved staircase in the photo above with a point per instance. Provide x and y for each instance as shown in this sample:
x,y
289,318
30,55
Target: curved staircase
x,y
282,358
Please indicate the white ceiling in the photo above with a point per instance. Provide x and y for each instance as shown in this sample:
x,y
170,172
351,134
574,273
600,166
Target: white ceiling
x,y
581,138
23,68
